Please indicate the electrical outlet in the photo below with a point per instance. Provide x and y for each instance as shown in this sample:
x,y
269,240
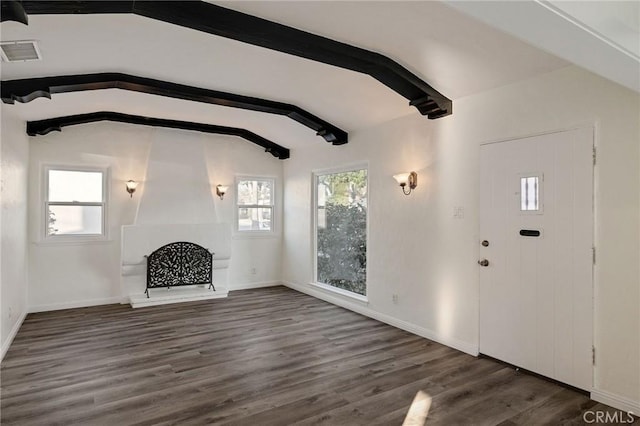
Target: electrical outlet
x,y
394,298
252,271
10,312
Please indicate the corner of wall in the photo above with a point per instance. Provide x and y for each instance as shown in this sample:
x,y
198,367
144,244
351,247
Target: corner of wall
x,y
616,401
6,344
14,156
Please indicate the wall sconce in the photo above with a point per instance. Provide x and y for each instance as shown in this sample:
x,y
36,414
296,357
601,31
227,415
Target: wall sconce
x,y
221,190
407,179
131,187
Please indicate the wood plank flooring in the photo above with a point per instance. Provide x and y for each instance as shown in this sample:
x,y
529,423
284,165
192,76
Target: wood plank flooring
x,y
260,357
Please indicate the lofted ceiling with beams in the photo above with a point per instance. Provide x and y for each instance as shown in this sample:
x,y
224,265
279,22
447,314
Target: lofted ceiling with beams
x,y
455,54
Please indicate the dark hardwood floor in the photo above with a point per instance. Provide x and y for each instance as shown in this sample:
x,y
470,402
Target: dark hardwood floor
x,y
260,357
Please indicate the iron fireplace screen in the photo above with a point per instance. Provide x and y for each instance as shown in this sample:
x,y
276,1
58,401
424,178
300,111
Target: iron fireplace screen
x,y
179,263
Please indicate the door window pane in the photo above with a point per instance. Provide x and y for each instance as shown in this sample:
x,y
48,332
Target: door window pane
x,y
341,230
529,193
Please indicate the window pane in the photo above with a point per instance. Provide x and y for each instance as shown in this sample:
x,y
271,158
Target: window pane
x,y
71,220
529,193
254,219
68,186
255,192
341,217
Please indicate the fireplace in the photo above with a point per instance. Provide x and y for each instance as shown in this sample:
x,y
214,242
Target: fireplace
x,y
176,205
184,250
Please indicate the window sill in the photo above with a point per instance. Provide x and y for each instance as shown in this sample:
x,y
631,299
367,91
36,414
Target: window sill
x,y
254,234
362,299
72,242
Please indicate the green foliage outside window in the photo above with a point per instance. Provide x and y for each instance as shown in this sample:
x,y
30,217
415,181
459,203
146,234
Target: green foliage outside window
x,y
51,224
342,230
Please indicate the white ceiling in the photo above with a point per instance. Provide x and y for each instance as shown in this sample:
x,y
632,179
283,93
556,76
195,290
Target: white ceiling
x,y
600,36
454,53
616,21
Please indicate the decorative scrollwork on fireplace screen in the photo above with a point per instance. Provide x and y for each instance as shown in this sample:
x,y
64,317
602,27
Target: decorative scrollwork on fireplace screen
x,y
180,263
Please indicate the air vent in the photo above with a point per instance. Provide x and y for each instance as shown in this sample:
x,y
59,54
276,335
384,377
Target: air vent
x,y
20,51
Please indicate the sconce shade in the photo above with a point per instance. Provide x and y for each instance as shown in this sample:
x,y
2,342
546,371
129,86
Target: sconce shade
x,y
221,190
407,179
402,178
131,187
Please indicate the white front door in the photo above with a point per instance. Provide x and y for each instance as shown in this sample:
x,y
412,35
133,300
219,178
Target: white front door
x,y
536,233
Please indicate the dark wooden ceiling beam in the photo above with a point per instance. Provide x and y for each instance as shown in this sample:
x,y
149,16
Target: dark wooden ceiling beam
x,y
250,29
26,90
42,127
12,10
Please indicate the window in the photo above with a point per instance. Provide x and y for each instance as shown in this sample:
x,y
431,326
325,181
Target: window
x,y
341,230
531,193
255,202
75,201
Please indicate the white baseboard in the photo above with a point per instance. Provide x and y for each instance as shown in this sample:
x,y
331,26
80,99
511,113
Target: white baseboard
x,y
125,300
260,284
12,335
77,304
616,401
398,323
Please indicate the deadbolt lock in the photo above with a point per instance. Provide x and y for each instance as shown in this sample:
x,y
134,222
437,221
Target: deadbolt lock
x,y
485,243
483,262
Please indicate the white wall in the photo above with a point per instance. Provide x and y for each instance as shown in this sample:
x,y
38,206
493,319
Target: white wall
x,y
420,252
177,188
66,275
14,154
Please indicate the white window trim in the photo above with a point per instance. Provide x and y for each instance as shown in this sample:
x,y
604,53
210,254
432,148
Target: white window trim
x,y
44,204
255,233
346,293
314,228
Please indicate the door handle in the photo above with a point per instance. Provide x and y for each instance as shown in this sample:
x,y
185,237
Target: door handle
x,y
483,262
